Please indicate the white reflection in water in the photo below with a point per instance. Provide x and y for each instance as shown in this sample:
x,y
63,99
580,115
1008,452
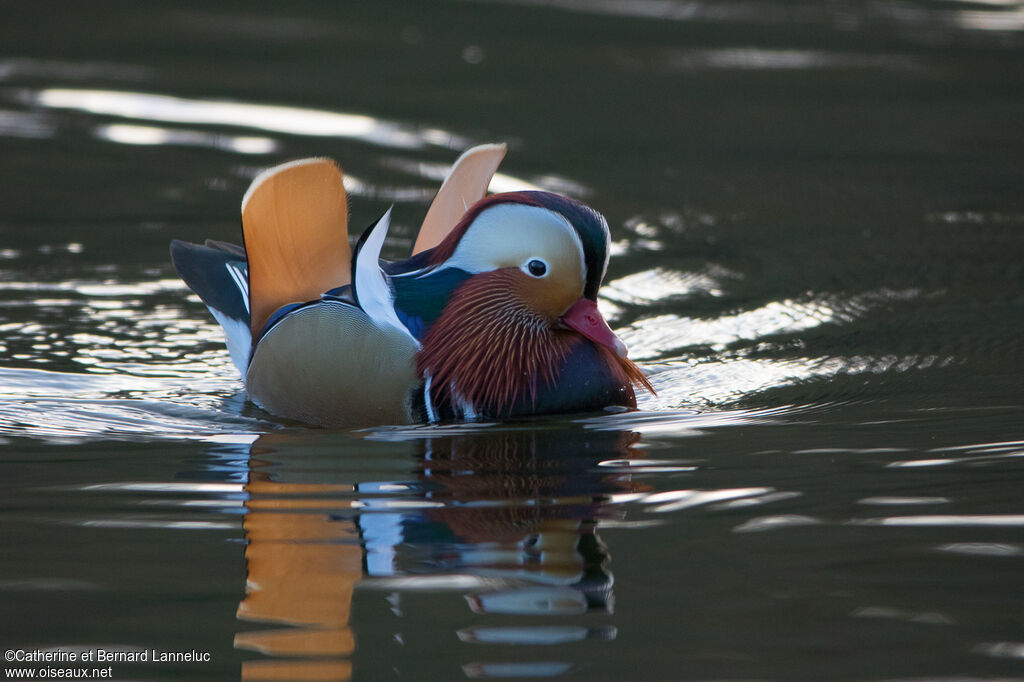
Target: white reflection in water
x,y
908,464
660,284
981,458
679,10
271,118
948,520
993,3
518,669
763,523
94,288
532,600
52,69
965,218
898,501
1006,15
645,466
152,135
150,523
733,371
676,500
1002,446
675,422
166,487
1007,20
1002,649
655,336
760,59
429,583
983,548
544,635
378,505
32,383
743,502
67,418
724,380
404,433
26,124
933,617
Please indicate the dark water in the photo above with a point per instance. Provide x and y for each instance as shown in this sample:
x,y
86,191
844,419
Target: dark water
x,y
818,218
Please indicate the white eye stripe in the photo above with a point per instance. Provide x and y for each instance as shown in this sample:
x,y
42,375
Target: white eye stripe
x,y
511,234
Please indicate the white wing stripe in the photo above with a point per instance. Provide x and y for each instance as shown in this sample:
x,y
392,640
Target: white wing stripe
x,y
241,281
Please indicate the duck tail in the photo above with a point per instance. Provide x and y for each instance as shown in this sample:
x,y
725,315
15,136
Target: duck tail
x,y
218,273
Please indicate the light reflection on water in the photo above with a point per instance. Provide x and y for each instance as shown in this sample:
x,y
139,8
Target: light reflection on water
x,y
136,354
152,135
507,518
970,15
135,347
520,534
271,118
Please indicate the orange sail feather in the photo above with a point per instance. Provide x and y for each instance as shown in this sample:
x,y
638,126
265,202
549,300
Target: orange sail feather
x,y
295,225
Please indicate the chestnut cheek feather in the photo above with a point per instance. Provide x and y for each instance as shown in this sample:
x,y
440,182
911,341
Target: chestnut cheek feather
x,y
487,348
491,350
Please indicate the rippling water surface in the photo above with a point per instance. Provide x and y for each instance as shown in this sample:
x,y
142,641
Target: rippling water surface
x,y
817,214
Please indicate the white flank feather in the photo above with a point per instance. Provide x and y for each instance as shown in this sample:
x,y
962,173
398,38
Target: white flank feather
x,y
238,337
372,291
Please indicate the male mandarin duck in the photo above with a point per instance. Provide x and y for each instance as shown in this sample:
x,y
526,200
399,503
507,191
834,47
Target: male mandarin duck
x,y
494,315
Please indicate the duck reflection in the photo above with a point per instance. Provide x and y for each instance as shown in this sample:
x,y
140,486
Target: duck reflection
x,y
507,517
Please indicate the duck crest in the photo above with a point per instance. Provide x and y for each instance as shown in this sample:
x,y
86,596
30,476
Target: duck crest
x,y
446,248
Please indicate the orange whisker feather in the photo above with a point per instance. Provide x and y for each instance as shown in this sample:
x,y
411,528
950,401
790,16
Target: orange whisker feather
x,y
490,350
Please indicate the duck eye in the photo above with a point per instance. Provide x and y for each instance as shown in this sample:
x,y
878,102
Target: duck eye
x,y
537,268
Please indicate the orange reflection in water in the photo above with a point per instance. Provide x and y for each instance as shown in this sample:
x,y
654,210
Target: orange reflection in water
x,y
303,567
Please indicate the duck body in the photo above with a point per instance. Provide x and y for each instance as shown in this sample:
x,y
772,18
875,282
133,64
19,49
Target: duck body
x,y
494,316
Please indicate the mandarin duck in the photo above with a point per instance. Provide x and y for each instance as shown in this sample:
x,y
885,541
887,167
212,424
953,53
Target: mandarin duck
x,y
494,315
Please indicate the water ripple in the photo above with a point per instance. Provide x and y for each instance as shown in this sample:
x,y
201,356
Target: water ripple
x,y
67,418
661,285
288,120
152,135
760,59
775,522
657,336
948,520
970,15
1013,650
901,614
988,549
135,367
55,69
29,125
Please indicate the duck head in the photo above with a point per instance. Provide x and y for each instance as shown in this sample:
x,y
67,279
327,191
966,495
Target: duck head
x,y
520,331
